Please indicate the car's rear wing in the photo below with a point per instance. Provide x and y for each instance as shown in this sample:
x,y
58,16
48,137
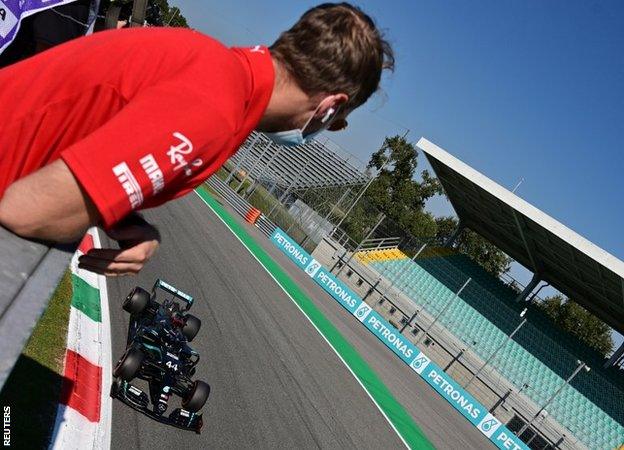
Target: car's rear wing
x,y
160,284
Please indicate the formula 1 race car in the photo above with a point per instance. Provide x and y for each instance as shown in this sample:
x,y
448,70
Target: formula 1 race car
x,y
157,351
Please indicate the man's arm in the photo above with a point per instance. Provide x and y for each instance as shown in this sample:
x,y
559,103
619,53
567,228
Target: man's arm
x,y
162,143
50,205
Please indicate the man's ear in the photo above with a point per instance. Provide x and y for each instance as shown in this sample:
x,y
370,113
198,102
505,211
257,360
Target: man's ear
x,y
329,105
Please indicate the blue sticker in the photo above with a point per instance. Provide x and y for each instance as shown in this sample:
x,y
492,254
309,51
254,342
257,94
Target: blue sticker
x,y
293,250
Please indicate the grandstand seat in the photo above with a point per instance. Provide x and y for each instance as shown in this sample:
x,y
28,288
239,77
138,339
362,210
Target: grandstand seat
x,y
485,313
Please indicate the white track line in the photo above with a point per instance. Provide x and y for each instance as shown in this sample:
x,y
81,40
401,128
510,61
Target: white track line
x,y
310,320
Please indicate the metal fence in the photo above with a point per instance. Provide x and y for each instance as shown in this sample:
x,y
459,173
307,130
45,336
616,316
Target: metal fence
x,y
422,320
304,191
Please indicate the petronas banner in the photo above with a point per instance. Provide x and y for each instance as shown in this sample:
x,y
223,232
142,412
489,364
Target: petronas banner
x,y
411,355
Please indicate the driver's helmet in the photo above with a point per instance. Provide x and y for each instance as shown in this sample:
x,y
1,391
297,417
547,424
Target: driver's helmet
x,y
177,319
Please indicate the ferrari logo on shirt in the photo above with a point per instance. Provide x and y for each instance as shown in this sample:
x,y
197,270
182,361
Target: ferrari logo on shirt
x,y
177,155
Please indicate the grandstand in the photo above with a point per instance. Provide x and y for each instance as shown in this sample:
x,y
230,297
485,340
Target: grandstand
x,y
309,181
311,165
540,358
483,316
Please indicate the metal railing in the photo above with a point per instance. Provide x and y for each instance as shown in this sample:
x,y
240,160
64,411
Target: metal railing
x,y
343,239
381,243
240,205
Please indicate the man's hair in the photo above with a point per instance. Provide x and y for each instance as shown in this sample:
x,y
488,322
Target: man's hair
x,y
333,48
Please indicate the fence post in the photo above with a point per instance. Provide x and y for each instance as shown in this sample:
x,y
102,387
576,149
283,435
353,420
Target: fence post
x,y
373,286
287,191
455,358
253,166
499,348
409,322
380,217
426,330
500,401
241,159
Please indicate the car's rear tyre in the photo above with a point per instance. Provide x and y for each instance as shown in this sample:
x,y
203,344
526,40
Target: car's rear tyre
x,y
196,397
136,301
191,327
129,364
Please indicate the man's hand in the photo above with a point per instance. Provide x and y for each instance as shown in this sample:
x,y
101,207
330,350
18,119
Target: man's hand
x,y
138,241
50,205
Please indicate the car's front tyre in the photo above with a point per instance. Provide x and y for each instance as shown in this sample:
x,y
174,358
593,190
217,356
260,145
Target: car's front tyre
x,y
191,327
196,397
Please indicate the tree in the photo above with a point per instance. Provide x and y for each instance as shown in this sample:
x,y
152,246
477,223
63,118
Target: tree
x,y
576,320
402,199
157,14
396,193
479,249
169,16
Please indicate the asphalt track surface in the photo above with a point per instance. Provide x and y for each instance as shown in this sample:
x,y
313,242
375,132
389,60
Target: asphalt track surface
x,y
275,382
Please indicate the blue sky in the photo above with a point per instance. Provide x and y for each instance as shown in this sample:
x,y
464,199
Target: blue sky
x,y
531,90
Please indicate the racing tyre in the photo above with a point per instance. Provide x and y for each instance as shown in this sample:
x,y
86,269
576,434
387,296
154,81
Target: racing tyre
x,y
197,396
129,364
136,301
191,327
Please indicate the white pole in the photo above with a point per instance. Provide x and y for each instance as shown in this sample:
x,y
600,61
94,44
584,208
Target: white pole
x,y
517,185
495,352
357,199
426,331
381,218
581,366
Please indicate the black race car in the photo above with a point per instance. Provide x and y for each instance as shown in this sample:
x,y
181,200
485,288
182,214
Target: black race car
x,y
157,352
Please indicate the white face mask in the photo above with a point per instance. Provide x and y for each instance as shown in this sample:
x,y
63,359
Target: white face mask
x,y
292,138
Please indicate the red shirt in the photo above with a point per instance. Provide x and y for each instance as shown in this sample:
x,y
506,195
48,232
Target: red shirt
x,y
140,116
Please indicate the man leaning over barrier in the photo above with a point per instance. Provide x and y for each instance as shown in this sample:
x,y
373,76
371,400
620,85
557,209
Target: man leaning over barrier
x,y
122,120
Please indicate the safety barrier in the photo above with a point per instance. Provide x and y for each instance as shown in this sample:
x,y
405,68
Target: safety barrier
x,y
411,355
251,214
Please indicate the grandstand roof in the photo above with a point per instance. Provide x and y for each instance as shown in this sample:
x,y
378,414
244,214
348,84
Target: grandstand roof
x,y
315,164
570,263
